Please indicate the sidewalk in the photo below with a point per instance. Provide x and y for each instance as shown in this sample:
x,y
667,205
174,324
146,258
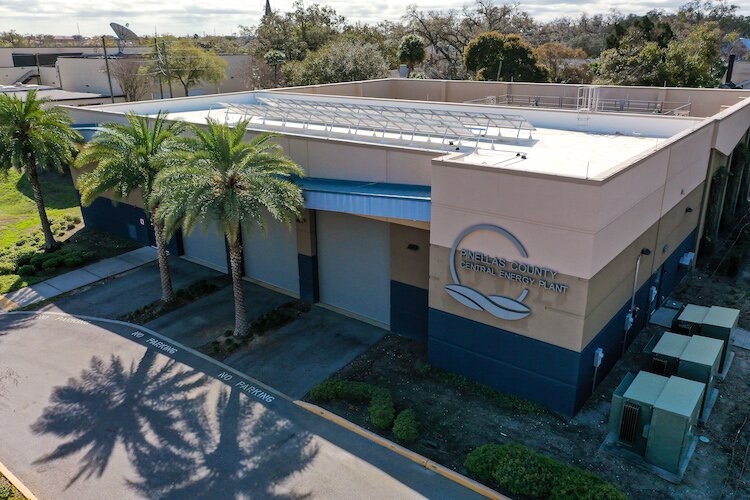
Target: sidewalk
x,y
76,279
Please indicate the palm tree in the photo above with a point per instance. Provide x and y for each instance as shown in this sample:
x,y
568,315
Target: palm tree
x,y
128,156
218,178
32,137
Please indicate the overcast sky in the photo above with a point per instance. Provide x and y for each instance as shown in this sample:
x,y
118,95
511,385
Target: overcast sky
x,y
92,17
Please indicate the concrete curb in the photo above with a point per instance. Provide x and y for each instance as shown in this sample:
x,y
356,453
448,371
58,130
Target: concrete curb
x,y
414,457
16,482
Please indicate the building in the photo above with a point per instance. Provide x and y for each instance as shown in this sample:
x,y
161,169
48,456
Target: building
x,y
514,239
58,96
82,69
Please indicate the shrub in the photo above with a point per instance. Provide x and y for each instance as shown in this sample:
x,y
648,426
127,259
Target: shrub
x,y
520,471
381,408
52,263
39,259
523,472
483,461
76,219
7,268
23,259
73,260
579,484
26,270
406,427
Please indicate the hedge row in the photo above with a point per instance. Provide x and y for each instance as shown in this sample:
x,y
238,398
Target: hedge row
x,y
381,408
521,471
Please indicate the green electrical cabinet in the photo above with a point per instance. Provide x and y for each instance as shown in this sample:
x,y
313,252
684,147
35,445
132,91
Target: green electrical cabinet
x,y
666,353
700,362
654,416
691,318
675,414
720,323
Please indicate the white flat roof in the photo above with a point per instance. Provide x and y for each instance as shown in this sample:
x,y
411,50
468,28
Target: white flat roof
x,y
557,142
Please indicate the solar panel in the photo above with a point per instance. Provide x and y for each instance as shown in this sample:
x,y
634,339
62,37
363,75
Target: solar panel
x,y
387,122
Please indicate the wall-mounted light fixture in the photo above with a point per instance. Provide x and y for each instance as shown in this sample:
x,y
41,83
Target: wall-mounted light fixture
x,y
689,210
665,249
412,247
645,251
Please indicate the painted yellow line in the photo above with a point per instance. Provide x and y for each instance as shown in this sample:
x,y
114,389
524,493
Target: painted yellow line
x,y
16,482
414,457
7,304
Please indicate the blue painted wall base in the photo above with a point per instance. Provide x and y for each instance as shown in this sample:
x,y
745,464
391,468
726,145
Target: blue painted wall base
x,y
557,378
409,305
125,221
309,288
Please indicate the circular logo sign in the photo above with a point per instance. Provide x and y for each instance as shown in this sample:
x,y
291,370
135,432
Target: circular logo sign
x,y
502,307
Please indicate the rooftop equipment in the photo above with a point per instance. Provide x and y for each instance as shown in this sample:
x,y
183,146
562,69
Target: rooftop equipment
x,y
654,417
421,127
693,358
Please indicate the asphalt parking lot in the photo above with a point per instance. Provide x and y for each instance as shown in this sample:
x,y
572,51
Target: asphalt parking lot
x,y
94,409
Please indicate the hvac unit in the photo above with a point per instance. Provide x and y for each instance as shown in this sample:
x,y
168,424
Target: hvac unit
x,y
655,416
690,319
720,323
694,358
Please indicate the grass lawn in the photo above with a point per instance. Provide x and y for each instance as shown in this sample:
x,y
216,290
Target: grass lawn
x,y
21,237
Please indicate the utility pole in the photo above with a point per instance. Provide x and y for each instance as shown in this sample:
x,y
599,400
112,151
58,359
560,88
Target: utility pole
x,y
166,64
158,66
109,77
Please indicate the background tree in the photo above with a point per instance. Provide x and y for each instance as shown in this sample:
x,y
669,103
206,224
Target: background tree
x,y
190,65
33,137
411,51
339,62
484,54
564,64
132,76
274,58
128,157
218,178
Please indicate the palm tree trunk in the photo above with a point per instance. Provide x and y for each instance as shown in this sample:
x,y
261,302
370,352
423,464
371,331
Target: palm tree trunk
x,y
235,262
167,293
49,240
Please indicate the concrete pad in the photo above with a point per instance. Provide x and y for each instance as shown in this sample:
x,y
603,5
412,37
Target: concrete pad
x,y
131,290
664,316
208,317
306,352
99,410
72,280
742,338
122,263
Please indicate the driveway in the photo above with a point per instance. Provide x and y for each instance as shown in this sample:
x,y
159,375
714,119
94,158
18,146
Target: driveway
x,y
129,291
92,410
293,359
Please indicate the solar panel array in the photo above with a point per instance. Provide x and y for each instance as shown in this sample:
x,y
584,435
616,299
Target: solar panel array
x,y
435,127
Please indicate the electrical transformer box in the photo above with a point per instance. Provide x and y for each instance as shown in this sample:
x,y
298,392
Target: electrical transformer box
x,y
654,416
691,318
720,323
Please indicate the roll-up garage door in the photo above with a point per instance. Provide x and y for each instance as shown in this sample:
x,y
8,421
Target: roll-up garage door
x,y
354,264
205,245
272,257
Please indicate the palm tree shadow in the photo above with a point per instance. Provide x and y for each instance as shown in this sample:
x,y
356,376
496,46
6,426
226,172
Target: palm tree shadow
x,y
57,189
146,407
250,451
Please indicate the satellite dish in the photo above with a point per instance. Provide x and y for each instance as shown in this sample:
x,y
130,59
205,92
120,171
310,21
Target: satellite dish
x,y
124,34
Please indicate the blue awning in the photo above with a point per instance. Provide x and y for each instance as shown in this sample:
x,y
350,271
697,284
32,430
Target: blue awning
x,y
380,199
